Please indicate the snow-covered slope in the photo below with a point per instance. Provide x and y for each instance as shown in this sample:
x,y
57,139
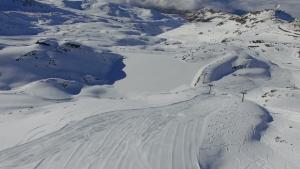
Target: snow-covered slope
x,y
98,85
48,59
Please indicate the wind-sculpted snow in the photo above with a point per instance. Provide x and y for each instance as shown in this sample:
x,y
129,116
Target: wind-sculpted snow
x,y
237,64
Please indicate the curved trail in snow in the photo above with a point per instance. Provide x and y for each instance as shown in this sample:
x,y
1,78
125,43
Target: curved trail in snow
x,y
168,137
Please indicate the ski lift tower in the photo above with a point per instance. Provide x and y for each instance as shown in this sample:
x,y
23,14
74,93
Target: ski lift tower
x,y
210,85
243,93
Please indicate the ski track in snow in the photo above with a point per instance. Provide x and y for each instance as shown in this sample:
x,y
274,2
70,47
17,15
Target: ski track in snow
x,y
147,136
166,137
184,128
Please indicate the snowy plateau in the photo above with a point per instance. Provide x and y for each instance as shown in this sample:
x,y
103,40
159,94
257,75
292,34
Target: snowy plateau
x,y
95,84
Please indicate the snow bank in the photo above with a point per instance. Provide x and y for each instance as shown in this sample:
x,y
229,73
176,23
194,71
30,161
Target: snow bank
x,y
236,64
53,89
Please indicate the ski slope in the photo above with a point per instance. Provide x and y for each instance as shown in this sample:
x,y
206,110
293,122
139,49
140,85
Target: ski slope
x,y
100,85
181,135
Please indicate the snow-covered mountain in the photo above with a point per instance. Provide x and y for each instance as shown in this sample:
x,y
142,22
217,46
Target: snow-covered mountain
x,y
107,85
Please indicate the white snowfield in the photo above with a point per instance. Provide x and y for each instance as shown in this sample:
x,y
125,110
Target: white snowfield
x,y
97,85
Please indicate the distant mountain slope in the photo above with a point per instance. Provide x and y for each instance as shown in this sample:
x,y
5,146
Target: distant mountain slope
x,y
291,6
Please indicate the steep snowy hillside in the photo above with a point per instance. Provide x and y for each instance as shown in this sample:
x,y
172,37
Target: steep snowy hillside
x,y
101,85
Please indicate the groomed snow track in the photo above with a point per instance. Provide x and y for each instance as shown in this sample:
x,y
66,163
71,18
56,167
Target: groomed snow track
x,y
187,135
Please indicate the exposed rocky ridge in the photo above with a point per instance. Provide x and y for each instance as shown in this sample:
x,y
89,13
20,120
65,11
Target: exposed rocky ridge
x,y
206,15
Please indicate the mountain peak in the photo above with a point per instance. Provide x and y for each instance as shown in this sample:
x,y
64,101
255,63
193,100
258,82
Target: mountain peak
x,y
251,17
204,15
